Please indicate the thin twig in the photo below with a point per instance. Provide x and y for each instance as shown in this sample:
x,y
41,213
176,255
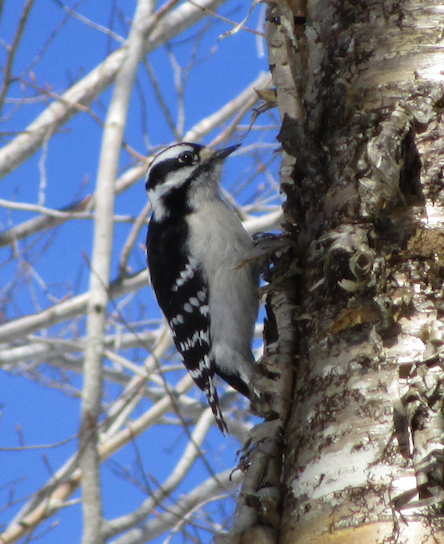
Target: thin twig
x,y
12,52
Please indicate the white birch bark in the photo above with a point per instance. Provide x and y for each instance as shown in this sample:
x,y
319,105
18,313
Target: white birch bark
x,y
364,385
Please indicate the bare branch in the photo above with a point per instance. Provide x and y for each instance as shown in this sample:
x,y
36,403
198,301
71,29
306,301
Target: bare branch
x,y
13,50
65,310
191,453
144,21
222,483
90,87
58,336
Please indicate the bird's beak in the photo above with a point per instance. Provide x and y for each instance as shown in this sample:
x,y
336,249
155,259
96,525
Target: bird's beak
x,y
223,153
219,155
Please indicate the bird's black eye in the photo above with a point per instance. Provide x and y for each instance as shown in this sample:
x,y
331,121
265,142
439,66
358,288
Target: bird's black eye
x,y
187,157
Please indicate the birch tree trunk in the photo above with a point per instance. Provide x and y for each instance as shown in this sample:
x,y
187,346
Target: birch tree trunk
x,y
360,90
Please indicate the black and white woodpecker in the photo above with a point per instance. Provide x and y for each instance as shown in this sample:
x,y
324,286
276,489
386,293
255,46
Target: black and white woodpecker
x,y
194,241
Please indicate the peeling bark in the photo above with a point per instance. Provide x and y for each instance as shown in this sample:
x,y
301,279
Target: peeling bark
x,y
364,457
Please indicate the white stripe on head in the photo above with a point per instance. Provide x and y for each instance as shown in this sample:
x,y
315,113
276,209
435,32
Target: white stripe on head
x,y
172,152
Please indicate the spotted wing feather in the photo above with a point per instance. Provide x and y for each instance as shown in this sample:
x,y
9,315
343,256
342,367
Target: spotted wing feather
x,y
183,297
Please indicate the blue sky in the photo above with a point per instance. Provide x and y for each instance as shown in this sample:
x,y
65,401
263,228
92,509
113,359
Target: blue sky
x,y
61,49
